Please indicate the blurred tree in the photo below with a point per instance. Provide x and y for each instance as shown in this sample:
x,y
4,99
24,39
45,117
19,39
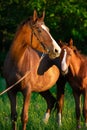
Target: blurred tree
x,y
65,19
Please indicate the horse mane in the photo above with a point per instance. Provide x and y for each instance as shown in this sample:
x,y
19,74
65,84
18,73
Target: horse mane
x,y
79,54
74,48
19,43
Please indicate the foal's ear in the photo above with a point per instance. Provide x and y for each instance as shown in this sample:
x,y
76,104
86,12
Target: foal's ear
x,y
35,17
71,42
60,43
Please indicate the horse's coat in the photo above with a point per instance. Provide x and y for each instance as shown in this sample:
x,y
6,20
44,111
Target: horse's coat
x,y
25,55
76,64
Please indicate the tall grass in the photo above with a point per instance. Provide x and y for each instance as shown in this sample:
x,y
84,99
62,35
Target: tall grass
x,y
36,112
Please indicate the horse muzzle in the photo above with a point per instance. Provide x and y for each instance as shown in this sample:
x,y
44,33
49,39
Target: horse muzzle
x,y
53,55
64,72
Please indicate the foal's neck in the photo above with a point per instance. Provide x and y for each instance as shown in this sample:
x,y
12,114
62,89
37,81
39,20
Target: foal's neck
x,y
75,64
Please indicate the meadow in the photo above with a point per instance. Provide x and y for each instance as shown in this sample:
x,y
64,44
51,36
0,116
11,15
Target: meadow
x,y
36,112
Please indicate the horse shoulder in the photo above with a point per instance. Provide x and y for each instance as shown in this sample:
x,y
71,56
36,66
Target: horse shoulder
x,y
52,74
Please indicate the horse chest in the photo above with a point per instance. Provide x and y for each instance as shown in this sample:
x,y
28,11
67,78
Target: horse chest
x,y
46,80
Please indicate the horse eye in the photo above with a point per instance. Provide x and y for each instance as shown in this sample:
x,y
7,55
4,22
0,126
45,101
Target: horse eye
x,y
39,30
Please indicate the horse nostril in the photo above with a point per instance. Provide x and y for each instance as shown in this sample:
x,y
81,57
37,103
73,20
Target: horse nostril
x,y
56,51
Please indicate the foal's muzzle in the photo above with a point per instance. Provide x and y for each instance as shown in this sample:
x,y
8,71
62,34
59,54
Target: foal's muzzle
x,y
64,72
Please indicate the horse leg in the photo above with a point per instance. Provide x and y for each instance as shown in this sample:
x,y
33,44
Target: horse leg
x,y
77,107
60,102
12,97
60,97
85,106
24,117
50,100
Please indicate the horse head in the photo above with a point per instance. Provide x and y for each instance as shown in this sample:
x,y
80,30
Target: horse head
x,y
41,37
66,56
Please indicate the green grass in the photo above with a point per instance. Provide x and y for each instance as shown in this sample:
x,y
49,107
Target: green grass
x,y
37,110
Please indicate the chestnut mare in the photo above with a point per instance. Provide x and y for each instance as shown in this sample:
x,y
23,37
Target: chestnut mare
x,y
26,56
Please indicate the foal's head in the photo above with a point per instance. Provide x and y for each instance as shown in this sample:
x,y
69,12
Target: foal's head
x,y
67,56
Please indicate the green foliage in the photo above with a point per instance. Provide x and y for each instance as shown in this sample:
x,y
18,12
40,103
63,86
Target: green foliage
x,y
65,19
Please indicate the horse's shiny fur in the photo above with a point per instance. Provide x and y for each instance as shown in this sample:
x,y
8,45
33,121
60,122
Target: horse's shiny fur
x,y
33,32
25,56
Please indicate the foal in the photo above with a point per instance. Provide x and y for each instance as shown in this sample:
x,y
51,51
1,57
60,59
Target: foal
x,y
74,67
75,64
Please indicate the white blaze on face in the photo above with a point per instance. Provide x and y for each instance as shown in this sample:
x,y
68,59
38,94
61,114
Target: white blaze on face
x,y
55,45
63,63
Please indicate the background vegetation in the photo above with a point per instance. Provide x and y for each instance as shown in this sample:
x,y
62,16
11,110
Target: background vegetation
x,y
36,112
66,19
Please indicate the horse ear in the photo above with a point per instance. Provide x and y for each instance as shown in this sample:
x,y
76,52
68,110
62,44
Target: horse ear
x,y
43,16
71,42
60,43
35,17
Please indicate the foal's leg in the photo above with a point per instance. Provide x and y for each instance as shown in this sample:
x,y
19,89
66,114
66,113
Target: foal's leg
x,y
12,97
27,94
85,107
60,97
77,105
50,100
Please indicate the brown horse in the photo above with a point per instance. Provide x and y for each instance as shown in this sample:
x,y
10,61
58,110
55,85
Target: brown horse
x,y
25,56
75,64
76,76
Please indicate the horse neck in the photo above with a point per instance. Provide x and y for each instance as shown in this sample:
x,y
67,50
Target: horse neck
x,y
20,42
23,38
75,64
